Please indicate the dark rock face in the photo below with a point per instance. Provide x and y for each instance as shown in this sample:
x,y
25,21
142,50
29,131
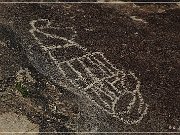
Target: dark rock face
x,y
147,46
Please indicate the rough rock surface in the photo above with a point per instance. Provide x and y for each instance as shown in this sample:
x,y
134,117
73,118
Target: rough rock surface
x,y
132,37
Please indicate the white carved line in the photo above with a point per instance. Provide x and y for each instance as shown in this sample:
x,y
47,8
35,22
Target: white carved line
x,y
122,80
53,47
137,88
113,107
109,62
32,23
113,87
77,72
103,65
95,102
110,93
72,43
115,81
112,97
103,69
56,63
79,58
96,65
61,70
138,120
96,81
138,92
97,92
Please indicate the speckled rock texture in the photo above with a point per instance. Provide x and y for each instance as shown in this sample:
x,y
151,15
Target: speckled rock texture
x,y
141,38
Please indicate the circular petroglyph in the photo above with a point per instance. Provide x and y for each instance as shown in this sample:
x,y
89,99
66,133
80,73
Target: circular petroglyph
x,y
115,91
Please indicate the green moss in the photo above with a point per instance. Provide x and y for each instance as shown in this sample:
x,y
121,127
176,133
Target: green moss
x,y
22,89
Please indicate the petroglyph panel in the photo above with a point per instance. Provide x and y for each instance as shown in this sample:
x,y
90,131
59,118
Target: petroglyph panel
x,y
115,91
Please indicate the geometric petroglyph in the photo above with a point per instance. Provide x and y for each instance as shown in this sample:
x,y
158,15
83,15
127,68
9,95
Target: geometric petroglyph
x,y
115,91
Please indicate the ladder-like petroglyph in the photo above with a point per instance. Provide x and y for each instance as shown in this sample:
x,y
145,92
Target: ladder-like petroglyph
x,y
115,91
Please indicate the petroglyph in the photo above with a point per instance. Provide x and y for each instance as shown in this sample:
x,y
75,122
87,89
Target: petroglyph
x,y
91,73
